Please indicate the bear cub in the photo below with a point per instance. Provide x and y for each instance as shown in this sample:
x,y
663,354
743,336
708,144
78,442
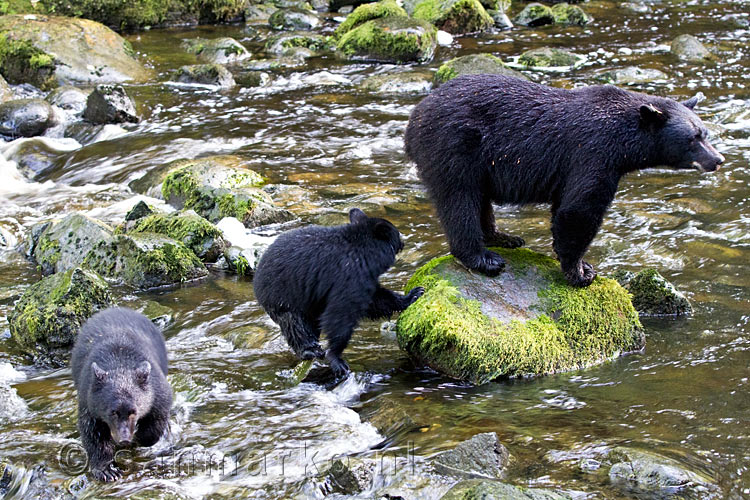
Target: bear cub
x,y
484,139
325,279
119,365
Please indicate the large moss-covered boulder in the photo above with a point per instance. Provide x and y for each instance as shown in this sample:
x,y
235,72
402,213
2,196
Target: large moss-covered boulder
x,y
50,50
535,14
60,245
145,260
26,117
474,64
222,50
565,13
46,319
216,191
203,238
367,12
653,295
455,16
390,40
287,43
526,321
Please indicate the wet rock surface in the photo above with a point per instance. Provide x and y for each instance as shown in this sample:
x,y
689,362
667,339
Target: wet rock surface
x,y
481,456
474,64
206,74
389,39
26,117
653,295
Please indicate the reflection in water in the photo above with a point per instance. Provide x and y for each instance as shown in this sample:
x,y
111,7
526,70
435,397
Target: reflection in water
x,y
334,146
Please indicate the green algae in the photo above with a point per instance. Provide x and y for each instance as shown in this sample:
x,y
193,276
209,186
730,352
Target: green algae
x,y
367,12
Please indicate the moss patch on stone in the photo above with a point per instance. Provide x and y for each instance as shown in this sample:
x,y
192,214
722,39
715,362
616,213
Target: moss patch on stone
x,y
569,14
474,64
21,62
367,12
543,326
47,317
390,39
455,16
203,238
653,295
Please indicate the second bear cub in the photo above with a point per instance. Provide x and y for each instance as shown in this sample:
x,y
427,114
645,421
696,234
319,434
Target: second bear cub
x,y
325,279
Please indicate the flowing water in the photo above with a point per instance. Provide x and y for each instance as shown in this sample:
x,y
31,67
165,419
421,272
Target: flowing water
x,y
685,396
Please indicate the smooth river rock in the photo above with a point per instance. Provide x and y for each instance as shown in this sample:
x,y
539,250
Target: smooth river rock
x,y
474,64
457,17
26,117
526,321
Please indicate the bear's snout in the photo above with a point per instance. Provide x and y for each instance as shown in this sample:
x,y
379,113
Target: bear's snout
x,y
124,430
710,160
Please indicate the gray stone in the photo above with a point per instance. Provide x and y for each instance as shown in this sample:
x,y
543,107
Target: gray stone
x,y
411,82
26,117
110,104
502,21
195,232
294,19
535,14
259,13
71,99
283,44
688,48
206,74
217,50
631,75
653,295
481,456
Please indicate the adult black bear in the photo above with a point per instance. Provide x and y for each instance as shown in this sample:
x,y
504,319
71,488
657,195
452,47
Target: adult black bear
x,y
483,139
325,279
119,365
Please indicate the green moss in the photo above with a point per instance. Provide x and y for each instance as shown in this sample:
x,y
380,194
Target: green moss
x,y
391,39
366,12
572,327
653,295
21,62
546,57
173,261
180,183
194,231
445,73
234,206
49,251
242,266
569,14
454,16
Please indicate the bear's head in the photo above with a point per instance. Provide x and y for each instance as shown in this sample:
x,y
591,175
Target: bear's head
x,y
681,137
120,397
380,229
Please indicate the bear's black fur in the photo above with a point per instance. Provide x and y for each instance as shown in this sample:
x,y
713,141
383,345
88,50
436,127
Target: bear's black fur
x,y
325,279
483,139
119,365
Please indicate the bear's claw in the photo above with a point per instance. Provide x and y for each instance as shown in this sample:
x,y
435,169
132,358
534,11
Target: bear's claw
x,y
108,474
504,240
488,263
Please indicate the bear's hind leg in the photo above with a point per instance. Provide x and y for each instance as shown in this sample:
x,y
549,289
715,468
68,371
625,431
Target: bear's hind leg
x,y
301,336
338,322
493,237
460,214
385,302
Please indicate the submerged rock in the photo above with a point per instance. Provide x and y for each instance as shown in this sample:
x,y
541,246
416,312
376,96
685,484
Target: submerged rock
x,y
61,245
69,98
110,104
390,39
527,321
350,476
476,489
294,18
367,12
688,48
49,50
535,14
195,232
481,456
26,117
547,58
656,476
206,74
474,64
217,50
457,17
631,75
398,83
284,44
46,319
215,190
653,295
145,260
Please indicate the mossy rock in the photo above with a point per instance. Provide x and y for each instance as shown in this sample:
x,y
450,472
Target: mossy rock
x,y
457,17
224,50
46,319
411,82
49,50
481,456
63,244
259,13
390,39
527,321
145,260
565,13
535,14
367,12
653,295
205,74
203,238
216,191
472,65
548,59
285,44
479,489
294,18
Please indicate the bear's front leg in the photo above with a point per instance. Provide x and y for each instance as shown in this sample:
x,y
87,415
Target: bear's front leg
x,y
151,427
385,302
99,446
573,232
493,237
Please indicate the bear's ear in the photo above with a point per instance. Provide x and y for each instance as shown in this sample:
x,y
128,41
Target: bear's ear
x,y
383,231
142,373
651,115
690,103
100,374
357,216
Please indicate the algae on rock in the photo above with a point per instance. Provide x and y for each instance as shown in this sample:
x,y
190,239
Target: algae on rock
x,y
203,238
367,12
46,319
457,17
390,39
474,64
527,321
